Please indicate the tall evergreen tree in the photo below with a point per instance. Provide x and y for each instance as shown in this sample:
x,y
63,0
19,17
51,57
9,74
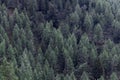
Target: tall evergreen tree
x,y
7,71
105,61
84,76
25,70
2,48
38,72
98,33
74,18
69,67
10,53
88,22
48,72
51,56
72,76
114,76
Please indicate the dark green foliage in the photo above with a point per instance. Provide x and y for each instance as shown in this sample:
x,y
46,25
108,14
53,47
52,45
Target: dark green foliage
x,y
98,33
2,48
25,70
113,76
48,73
59,39
51,56
84,76
88,22
7,71
68,63
101,78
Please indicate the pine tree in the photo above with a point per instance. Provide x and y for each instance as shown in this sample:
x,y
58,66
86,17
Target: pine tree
x,y
15,33
92,55
2,30
84,54
10,53
100,6
51,56
106,64
88,22
4,35
17,18
7,71
74,18
83,49
4,9
116,28
84,76
48,72
72,76
64,28
69,67
59,40
98,33
38,72
40,57
114,76
29,36
78,10
84,41
58,77
23,38
72,45
46,36
5,22
109,45
115,62
16,39
109,17
25,70
2,48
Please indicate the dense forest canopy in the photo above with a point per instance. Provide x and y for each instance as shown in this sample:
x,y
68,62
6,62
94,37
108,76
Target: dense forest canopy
x,y
59,39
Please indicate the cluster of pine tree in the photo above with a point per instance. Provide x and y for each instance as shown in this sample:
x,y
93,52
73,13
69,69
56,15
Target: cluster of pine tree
x,y
59,39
